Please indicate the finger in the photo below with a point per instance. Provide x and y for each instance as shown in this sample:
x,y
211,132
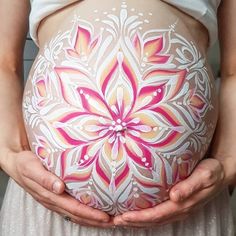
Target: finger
x,y
154,214
35,171
79,220
120,222
80,209
67,203
169,210
207,173
160,213
42,180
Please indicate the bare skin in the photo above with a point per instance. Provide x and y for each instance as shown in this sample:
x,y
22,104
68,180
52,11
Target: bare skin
x,y
197,30
215,173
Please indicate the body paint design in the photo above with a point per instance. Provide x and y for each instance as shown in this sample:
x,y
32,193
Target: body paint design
x,y
120,115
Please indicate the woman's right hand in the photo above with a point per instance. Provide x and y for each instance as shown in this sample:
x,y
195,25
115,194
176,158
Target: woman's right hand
x,y
48,189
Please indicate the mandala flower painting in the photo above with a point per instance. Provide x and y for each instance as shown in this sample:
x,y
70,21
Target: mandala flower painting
x,y
120,115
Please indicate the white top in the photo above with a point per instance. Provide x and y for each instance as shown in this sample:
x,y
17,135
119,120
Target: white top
x,y
204,11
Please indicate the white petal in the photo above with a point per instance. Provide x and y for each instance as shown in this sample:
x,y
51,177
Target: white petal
x,y
119,95
143,128
93,128
103,132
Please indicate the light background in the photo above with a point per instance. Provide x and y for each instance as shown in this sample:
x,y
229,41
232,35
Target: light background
x,y
29,55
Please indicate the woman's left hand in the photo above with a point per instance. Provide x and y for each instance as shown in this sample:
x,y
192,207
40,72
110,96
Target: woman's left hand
x,y
187,196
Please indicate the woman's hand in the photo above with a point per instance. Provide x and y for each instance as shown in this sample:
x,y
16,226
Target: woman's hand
x,y
187,196
46,188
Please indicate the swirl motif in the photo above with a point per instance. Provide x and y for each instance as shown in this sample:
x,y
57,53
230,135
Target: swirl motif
x,y
124,116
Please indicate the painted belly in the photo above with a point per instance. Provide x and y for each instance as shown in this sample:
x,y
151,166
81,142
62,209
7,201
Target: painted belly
x,y
121,115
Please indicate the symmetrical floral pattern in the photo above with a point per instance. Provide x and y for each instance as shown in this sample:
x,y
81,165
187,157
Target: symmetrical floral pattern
x,y
119,115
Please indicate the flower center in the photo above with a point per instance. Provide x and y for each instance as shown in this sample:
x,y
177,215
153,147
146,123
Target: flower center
x,y
118,126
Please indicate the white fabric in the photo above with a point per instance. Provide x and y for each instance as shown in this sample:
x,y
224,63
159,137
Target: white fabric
x,y
203,10
41,9
21,215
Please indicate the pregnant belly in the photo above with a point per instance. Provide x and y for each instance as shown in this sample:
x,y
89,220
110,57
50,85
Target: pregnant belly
x,y
119,109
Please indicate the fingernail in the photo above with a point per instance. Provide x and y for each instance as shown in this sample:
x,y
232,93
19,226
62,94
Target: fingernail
x,y
177,195
56,187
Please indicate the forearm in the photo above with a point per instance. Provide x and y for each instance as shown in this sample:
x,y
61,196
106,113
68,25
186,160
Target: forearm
x,y
13,30
224,142
12,132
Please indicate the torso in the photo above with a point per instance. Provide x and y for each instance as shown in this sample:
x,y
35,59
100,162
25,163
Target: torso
x,y
49,26
120,102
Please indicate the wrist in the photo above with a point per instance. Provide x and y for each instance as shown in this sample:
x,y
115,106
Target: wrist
x,y
223,143
229,169
5,159
8,156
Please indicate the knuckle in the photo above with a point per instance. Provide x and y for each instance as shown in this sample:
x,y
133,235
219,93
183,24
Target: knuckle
x,y
45,182
208,175
187,188
189,191
24,169
46,196
74,211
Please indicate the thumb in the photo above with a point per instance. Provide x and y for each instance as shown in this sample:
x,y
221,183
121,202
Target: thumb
x,y
206,173
35,170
